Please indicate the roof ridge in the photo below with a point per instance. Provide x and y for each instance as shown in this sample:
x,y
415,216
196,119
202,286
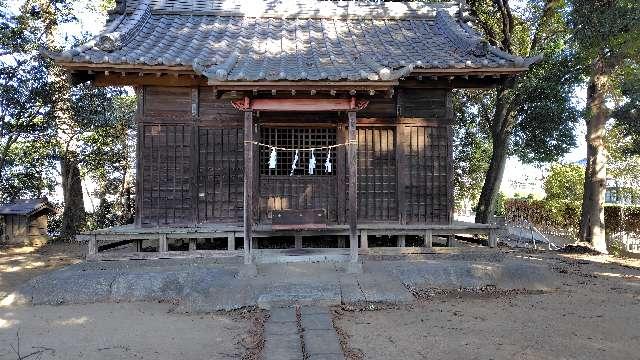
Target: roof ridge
x,y
303,8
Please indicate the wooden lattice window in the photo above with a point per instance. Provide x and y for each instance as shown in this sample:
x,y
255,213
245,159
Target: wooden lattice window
x,y
297,138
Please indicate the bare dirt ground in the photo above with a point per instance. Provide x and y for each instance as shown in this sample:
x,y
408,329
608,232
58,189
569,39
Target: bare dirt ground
x,y
121,331
111,331
18,264
593,314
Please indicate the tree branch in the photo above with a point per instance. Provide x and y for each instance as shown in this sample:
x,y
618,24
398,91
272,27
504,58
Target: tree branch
x,y
549,7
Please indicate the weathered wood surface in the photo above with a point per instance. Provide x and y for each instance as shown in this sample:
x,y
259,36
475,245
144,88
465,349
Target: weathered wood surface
x,y
191,160
248,185
353,188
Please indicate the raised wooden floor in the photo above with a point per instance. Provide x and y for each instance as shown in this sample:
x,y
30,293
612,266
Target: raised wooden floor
x,y
122,235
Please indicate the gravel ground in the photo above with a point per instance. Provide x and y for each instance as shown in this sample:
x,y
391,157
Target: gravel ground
x,y
594,314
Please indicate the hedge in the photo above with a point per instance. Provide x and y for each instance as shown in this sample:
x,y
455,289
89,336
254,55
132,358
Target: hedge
x,y
563,217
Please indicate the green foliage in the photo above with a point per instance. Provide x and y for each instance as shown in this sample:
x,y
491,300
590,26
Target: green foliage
x,y
607,29
564,183
471,144
545,114
627,113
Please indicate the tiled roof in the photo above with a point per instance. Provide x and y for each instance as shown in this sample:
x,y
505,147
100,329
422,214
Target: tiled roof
x,y
26,207
291,40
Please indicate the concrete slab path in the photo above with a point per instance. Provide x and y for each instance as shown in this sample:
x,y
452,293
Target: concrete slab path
x,y
297,333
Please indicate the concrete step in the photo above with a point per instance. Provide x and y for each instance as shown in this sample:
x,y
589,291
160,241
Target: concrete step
x,y
304,255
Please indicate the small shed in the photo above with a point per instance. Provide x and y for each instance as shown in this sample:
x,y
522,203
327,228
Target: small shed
x,y
25,221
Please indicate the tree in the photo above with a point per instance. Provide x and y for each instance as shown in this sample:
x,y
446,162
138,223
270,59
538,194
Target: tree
x,y
471,145
532,116
607,41
564,183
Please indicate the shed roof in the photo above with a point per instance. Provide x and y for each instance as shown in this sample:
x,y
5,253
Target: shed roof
x,y
231,41
26,207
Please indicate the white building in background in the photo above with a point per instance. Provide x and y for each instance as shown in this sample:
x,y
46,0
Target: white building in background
x,y
523,180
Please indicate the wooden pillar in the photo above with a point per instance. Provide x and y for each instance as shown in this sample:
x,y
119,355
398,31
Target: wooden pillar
x,y
298,239
231,241
402,240
493,240
451,240
353,188
341,241
93,246
139,245
192,245
428,238
364,240
248,185
162,243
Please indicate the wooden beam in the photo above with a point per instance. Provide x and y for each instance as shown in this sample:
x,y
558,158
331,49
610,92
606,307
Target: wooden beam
x,y
353,188
300,104
364,240
402,240
248,185
231,241
93,246
493,240
162,243
428,238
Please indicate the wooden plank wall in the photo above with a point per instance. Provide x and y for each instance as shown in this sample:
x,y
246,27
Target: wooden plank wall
x,y
220,175
191,160
377,198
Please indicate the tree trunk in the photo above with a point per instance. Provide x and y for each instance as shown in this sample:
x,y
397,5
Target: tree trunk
x,y
592,217
73,215
500,133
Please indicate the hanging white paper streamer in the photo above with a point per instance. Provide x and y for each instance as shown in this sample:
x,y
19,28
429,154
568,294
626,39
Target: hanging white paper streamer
x,y
327,164
312,163
272,158
295,162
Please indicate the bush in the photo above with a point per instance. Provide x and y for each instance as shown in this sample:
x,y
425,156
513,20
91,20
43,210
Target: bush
x,y
563,217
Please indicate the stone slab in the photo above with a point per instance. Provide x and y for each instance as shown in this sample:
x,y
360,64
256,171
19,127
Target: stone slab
x,y
282,347
317,322
326,357
280,328
321,342
283,314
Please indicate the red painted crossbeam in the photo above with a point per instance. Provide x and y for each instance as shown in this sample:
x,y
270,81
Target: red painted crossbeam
x,y
351,104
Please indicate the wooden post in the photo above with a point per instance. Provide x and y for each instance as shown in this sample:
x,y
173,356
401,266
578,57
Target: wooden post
x,y
248,184
192,245
298,239
93,246
428,238
402,241
364,240
231,241
451,240
138,245
353,188
162,243
341,241
493,240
